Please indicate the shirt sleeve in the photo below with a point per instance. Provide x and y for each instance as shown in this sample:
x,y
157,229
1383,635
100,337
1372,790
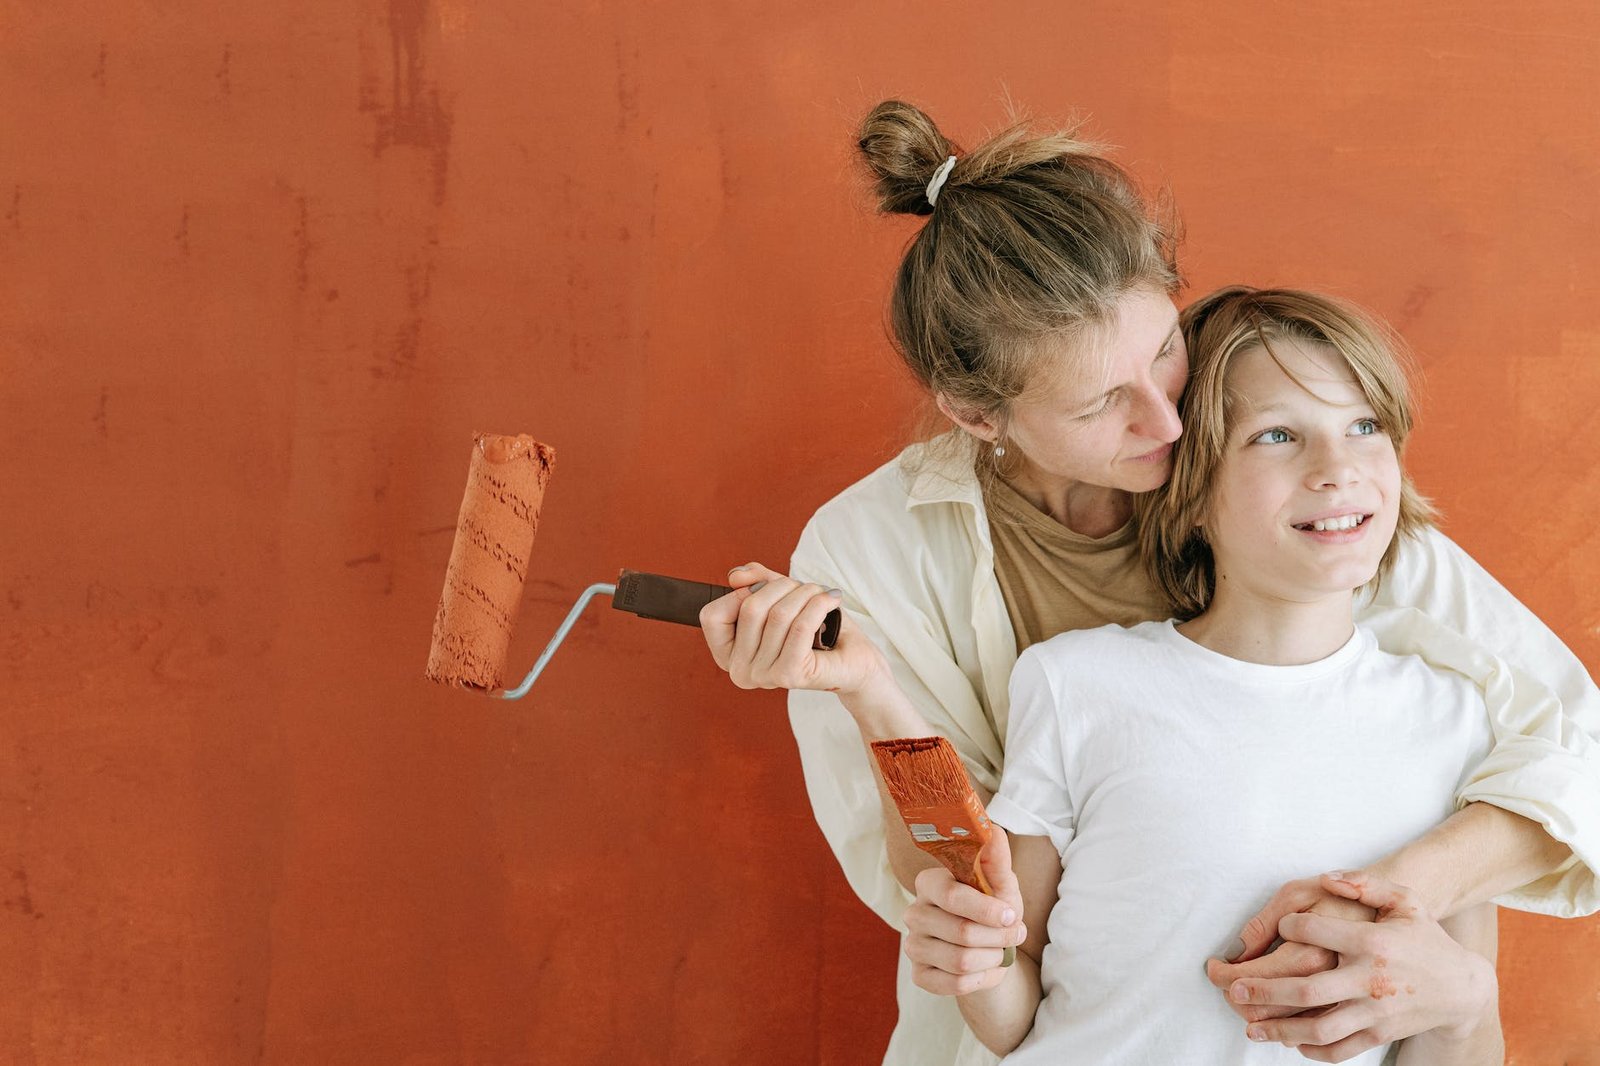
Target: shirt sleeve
x,y
1435,576
1543,708
1033,798
834,760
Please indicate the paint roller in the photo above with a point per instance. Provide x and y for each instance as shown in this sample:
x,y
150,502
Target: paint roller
x,y
483,581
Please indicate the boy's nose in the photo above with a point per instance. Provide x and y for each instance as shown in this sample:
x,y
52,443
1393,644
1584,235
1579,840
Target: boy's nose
x,y
1331,466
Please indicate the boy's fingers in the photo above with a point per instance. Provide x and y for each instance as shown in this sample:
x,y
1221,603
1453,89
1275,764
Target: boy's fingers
x,y
940,888
1317,1030
953,958
1262,928
940,983
995,858
1339,935
953,929
1301,993
1289,960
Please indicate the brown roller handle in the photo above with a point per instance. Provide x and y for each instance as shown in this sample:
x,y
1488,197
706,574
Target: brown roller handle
x,y
672,599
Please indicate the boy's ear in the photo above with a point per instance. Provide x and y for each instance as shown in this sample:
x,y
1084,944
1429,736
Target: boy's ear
x,y
973,423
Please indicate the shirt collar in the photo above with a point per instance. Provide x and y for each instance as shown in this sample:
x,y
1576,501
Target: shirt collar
x,y
941,471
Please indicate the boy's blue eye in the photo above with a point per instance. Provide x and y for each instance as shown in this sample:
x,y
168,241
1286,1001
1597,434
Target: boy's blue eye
x,y
1272,436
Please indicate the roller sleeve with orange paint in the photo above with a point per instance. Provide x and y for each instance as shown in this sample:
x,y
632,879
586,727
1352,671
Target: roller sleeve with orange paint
x,y
489,560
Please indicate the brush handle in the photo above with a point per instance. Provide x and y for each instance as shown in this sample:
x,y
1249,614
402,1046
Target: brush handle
x,y
674,599
929,786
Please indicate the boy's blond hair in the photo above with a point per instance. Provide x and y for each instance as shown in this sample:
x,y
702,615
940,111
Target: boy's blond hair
x,y
1217,328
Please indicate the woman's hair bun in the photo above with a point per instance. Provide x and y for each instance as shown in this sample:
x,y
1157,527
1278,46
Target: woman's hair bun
x,y
903,148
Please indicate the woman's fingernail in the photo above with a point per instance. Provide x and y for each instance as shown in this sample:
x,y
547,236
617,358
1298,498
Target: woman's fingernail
x,y
1255,1034
757,586
1008,916
1235,949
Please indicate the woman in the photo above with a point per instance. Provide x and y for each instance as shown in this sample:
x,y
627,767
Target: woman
x,y
1036,306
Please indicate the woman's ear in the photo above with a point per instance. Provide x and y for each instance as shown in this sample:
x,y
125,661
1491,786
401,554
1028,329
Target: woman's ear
x,y
974,424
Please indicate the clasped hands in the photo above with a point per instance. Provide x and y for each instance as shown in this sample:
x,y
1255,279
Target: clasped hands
x,y
1361,963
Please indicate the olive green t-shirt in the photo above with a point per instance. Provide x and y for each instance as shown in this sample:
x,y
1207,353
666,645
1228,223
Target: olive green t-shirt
x,y
1054,580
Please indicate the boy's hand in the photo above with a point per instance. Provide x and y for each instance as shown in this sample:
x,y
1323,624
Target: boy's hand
x,y
1255,957
957,936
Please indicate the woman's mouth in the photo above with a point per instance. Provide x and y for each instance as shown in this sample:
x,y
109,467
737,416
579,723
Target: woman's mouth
x,y
1153,457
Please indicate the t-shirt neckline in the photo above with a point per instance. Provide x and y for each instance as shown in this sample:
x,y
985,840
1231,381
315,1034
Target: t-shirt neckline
x,y
1347,653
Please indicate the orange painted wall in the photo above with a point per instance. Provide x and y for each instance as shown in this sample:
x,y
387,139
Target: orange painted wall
x,y
265,267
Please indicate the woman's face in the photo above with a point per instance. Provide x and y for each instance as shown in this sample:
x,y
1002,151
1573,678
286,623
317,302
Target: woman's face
x,y
1307,495
1105,413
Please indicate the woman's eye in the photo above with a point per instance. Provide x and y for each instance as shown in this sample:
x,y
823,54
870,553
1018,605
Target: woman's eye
x,y
1364,427
1102,409
1272,436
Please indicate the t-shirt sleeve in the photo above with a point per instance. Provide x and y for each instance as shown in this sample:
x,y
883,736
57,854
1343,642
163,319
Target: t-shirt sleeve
x,y
1435,576
1033,798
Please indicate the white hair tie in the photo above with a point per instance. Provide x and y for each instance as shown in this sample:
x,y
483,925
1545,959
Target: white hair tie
x,y
938,180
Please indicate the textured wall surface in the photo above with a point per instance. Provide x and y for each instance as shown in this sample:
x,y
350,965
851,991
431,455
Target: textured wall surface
x,y
264,268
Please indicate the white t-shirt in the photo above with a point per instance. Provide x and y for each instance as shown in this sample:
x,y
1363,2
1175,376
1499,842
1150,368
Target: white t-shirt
x,y
1182,788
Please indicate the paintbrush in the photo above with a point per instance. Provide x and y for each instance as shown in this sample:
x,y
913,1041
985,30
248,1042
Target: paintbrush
x,y
942,813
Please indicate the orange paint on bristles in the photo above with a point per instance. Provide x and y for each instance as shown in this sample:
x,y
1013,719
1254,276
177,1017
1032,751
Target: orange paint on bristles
x,y
943,815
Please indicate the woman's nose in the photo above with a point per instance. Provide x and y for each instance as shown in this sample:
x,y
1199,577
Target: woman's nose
x,y
1158,416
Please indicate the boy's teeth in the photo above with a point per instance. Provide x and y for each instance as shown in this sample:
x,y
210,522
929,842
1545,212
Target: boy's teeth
x,y
1349,521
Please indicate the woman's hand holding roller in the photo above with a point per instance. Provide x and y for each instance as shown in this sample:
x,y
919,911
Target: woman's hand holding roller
x,y
762,633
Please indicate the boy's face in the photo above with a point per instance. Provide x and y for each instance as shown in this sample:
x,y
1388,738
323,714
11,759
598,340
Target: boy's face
x,y
1301,455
